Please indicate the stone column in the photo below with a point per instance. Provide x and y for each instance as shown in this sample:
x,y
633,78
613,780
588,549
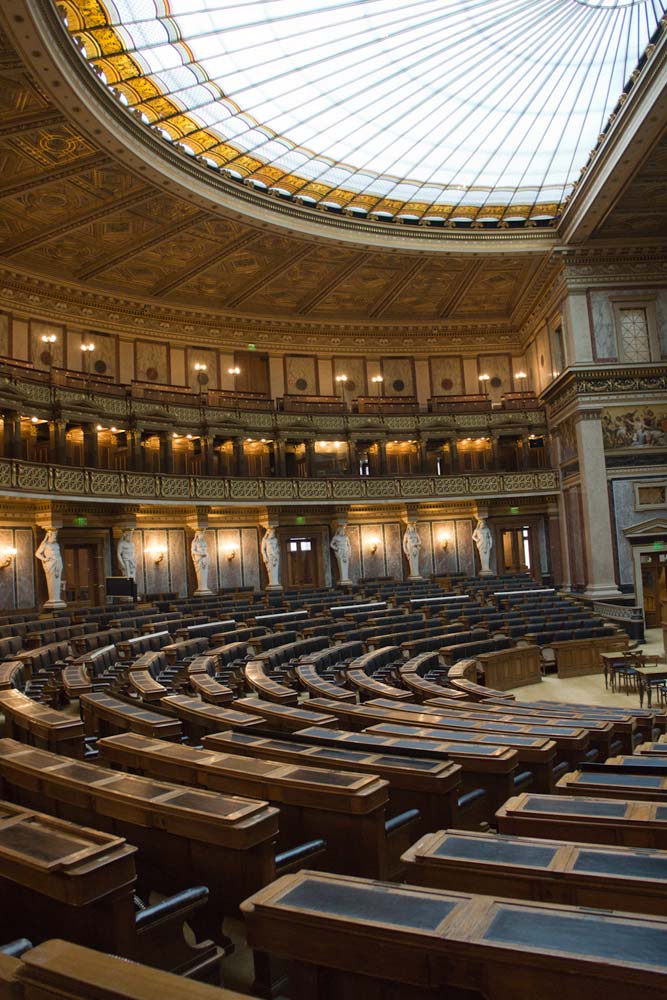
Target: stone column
x,y
240,464
58,448
91,453
598,540
13,445
310,457
525,445
454,452
382,452
279,457
135,455
206,441
553,525
421,456
166,452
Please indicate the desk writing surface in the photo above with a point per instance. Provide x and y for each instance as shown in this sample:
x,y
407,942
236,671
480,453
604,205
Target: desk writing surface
x,y
601,778
609,938
460,736
648,865
497,850
439,748
571,806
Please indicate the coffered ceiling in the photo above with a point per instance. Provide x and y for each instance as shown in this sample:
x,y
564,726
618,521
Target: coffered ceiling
x,y
72,211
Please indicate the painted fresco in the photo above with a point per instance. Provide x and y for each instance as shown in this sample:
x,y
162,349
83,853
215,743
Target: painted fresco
x,y
641,427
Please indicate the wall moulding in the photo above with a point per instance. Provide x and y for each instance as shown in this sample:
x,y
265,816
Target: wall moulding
x,y
40,297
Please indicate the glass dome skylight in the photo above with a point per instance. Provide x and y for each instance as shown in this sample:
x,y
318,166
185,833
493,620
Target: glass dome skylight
x,y
419,109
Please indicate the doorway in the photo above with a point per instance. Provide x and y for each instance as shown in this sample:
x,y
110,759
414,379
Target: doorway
x,y
654,585
303,563
516,550
83,567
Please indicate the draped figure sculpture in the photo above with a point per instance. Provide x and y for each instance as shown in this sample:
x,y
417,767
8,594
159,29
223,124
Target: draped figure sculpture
x,y
483,539
412,544
270,550
127,557
199,553
340,545
51,559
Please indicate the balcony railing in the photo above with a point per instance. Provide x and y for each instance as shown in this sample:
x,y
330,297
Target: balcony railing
x,y
47,480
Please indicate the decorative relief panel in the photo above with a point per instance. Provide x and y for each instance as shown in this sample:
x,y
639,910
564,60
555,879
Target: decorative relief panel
x,y
301,375
355,369
447,376
399,377
151,361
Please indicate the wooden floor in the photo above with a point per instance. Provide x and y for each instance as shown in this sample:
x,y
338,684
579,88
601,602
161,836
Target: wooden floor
x,y
589,690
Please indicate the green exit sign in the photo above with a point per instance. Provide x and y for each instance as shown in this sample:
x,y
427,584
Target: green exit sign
x,y
81,522
300,519
251,347
514,510
659,545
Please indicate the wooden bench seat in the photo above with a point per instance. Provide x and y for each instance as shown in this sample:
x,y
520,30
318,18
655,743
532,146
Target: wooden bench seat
x,y
371,687
99,660
41,657
184,835
493,768
176,652
355,938
431,786
39,726
198,674
646,719
595,820
283,718
76,680
206,629
612,784
270,690
348,809
57,874
130,649
104,716
12,675
145,685
57,969
318,687
548,871
199,718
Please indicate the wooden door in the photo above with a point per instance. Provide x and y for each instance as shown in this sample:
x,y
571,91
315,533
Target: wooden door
x,y
654,584
517,551
303,568
83,566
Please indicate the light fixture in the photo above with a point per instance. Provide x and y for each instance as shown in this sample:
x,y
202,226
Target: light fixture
x,y
157,554
200,366
373,545
377,378
8,556
444,542
49,338
99,427
520,375
341,378
231,553
34,420
87,348
234,371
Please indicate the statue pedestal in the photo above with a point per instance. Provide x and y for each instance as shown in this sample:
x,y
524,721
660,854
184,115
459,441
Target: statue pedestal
x,y
487,572
54,604
412,579
204,592
274,586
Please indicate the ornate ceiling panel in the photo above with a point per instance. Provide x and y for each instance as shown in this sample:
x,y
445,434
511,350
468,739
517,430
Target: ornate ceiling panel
x,y
641,209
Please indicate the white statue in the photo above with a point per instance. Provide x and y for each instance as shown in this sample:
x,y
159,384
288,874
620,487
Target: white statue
x,y
483,539
270,549
199,553
127,558
340,544
412,544
49,555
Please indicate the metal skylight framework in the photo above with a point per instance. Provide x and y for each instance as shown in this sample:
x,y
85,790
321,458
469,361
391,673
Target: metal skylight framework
x,y
473,110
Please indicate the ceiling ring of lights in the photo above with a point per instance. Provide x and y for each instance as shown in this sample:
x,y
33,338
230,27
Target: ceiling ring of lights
x,y
475,113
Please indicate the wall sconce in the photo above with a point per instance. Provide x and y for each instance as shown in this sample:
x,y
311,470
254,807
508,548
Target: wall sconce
x,y
8,556
234,371
200,366
87,348
484,379
157,554
373,545
520,375
378,380
231,554
444,542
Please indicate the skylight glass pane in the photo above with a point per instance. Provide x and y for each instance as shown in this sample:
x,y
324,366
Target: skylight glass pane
x,y
438,101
